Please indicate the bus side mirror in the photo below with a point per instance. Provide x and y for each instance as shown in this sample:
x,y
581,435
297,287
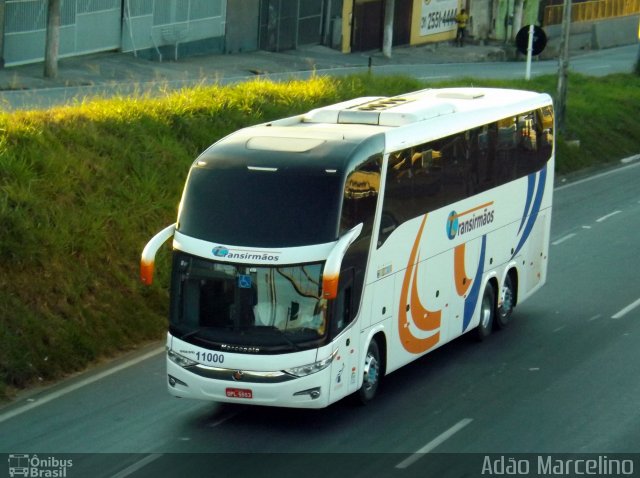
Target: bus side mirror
x,y
147,261
331,272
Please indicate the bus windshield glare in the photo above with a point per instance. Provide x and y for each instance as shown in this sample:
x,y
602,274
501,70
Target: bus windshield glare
x,y
235,307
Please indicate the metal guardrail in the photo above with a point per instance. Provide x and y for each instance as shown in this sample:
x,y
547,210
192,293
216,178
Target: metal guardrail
x,y
592,10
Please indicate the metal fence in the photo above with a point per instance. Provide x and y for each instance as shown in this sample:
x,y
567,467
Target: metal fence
x,y
156,23
286,24
86,26
592,10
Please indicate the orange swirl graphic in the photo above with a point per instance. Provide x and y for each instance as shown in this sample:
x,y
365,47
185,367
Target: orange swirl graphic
x,y
461,279
423,318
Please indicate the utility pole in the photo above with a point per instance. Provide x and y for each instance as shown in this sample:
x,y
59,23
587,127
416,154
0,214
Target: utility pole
x,y
563,68
2,10
52,39
387,41
518,9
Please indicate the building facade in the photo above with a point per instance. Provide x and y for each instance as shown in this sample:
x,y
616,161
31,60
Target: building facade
x,y
171,29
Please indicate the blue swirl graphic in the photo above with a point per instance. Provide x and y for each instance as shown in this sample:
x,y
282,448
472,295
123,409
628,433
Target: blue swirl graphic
x,y
472,299
537,202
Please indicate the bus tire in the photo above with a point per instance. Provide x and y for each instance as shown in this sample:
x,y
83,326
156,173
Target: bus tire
x,y
372,373
487,312
507,303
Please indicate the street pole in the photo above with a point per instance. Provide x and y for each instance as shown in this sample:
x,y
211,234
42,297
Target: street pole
x,y
52,39
387,41
2,10
563,68
527,75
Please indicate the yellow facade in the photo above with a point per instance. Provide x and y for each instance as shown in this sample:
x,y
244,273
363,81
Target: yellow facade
x,y
418,21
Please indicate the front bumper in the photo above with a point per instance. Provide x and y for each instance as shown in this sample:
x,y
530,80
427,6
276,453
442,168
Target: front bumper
x,y
219,385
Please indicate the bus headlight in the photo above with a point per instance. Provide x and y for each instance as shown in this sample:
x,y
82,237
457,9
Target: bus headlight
x,y
312,367
180,359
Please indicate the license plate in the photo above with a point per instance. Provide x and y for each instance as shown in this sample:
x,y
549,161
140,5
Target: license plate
x,y
239,393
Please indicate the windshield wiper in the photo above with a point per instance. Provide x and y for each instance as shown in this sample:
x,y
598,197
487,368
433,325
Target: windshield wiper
x,y
197,331
283,335
192,332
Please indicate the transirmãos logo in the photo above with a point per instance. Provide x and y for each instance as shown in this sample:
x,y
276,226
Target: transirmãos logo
x,y
246,255
220,251
452,225
470,220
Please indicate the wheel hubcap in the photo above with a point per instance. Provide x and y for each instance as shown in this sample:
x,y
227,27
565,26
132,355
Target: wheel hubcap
x,y
370,372
507,301
486,311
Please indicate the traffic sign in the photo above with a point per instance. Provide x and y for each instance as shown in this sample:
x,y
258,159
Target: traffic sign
x,y
539,40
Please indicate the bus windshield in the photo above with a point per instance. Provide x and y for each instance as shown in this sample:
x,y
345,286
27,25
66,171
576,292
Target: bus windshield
x,y
246,308
239,206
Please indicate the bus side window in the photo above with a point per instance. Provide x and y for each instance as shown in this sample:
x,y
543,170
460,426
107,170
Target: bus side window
x,y
397,203
506,150
361,195
455,163
545,132
413,187
482,158
428,184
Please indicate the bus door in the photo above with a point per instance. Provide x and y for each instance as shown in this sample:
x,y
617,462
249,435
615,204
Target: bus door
x,y
428,291
344,368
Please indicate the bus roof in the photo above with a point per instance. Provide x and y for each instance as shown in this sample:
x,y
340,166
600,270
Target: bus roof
x,y
405,120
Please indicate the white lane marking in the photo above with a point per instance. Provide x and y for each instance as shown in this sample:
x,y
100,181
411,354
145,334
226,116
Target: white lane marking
x,y
595,317
586,227
560,328
599,176
563,238
630,159
607,216
131,469
437,441
626,310
223,419
64,391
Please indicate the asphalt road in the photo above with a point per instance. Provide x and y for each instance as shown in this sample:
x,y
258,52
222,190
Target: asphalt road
x,y
594,63
563,378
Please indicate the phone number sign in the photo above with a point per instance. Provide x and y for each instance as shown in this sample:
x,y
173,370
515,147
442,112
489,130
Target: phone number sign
x,y
438,16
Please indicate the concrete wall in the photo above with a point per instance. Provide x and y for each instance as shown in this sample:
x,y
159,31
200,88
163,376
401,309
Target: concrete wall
x,y
481,23
594,35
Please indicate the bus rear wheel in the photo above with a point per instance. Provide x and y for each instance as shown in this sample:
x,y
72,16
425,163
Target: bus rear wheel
x,y
372,371
487,312
503,317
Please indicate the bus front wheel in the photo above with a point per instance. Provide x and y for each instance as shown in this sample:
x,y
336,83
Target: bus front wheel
x,y
372,371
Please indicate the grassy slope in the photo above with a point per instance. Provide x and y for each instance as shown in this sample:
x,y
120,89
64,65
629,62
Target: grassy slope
x,y
83,188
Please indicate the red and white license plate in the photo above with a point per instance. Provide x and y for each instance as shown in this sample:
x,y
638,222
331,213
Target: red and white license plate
x,y
239,393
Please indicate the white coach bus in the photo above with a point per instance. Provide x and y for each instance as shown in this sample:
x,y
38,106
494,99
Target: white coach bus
x,y
314,254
